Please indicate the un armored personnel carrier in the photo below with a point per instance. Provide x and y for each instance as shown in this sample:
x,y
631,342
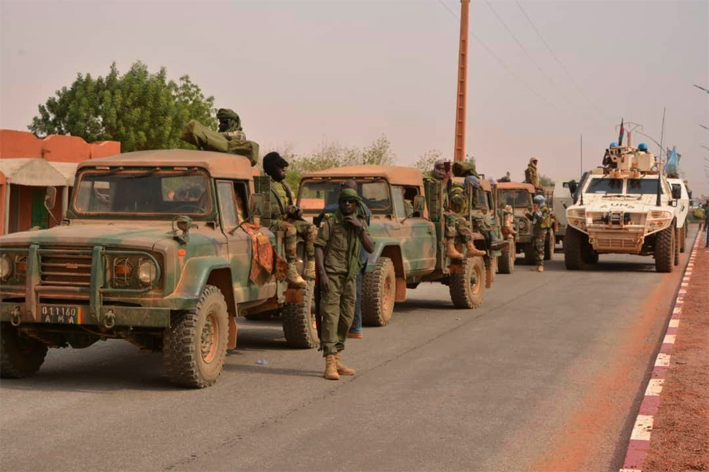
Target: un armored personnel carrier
x,y
407,226
159,248
625,207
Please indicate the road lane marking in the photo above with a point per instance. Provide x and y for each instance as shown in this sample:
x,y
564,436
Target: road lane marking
x,y
669,339
654,387
642,429
674,323
663,360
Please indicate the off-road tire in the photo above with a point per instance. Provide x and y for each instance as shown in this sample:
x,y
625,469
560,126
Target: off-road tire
x,y
574,249
677,245
19,356
530,256
465,293
379,294
549,244
299,321
195,344
665,250
683,237
589,255
506,262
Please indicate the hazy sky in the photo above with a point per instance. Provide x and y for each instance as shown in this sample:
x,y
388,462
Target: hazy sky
x,y
301,73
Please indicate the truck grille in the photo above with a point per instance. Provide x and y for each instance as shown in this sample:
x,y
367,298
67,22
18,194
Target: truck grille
x,y
65,267
607,243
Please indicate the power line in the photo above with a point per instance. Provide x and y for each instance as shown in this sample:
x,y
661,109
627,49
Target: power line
x,y
501,62
578,87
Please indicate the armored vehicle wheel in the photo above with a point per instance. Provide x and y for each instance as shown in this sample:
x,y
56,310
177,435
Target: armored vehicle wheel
x,y
467,288
682,237
506,261
530,256
665,249
195,343
549,244
589,255
299,321
574,242
379,294
19,356
677,245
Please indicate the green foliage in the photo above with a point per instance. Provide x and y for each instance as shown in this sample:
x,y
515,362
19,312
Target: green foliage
x,y
546,181
427,159
139,109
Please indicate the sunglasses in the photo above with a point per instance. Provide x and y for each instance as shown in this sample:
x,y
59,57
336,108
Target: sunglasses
x,y
348,200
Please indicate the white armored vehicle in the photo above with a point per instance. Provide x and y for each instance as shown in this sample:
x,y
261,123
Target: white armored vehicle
x,y
625,207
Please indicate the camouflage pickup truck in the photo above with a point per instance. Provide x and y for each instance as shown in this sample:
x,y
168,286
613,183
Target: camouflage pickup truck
x,y
159,248
519,196
407,228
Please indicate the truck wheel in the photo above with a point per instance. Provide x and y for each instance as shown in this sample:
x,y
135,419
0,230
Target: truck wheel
x,y
467,288
677,245
379,294
506,261
573,249
19,356
195,343
549,244
665,250
589,255
683,237
530,256
299,321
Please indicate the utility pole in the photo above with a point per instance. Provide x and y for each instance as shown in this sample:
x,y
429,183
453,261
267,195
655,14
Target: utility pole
x,y
462,98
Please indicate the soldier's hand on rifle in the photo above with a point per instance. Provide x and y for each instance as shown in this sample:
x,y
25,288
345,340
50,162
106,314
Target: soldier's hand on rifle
x,y
293,211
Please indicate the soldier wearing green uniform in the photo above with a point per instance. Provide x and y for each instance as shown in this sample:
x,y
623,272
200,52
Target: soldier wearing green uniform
x,y
541,219
531,175
341,237
230,138
456,225
287,217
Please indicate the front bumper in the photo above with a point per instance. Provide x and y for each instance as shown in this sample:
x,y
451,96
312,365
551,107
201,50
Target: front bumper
x,y
81,315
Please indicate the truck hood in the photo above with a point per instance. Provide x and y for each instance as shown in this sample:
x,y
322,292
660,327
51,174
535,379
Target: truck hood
x,y
625,203
126,235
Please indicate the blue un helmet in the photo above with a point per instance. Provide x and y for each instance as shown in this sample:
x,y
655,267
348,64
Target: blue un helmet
x,y
613,144
539,200
642,147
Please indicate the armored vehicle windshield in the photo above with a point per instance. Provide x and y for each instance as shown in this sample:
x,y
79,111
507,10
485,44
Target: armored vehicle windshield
x,y
317,194
144,192
515,198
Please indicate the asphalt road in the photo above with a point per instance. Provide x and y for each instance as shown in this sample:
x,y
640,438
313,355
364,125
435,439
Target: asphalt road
x,y
547,375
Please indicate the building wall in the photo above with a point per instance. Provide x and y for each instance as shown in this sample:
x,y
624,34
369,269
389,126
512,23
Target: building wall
x,y
22,144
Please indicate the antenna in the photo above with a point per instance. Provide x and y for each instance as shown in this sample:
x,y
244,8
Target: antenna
x,y
581,175
658,202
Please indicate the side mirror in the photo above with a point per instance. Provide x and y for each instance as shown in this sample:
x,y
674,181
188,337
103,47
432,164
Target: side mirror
x,y
676,191
419,204
572,186
50,198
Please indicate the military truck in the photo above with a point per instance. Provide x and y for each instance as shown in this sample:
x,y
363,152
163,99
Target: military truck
x,y
625,207
519,195
683,215
159,248
407,226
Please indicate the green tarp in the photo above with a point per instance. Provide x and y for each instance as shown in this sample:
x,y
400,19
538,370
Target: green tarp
x,y
204,138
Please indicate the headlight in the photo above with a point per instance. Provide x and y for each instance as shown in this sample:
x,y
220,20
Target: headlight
x,y
5,267
122,271
147,272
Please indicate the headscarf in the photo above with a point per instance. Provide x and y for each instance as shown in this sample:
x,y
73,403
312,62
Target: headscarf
x,y
473,181
440,175
533,161
273,161
233,120
353,242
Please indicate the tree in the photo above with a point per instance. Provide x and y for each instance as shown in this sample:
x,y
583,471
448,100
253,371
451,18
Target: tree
x,y
139,109
427,159
546,181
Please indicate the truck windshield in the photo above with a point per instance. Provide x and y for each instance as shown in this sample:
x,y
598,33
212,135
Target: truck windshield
x,y
515,199
604,186
642,186
143,192
315,195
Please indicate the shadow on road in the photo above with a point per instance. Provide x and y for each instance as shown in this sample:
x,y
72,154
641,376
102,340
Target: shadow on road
x,y
268,370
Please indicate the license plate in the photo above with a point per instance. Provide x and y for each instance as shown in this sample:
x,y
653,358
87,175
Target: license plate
x,y
66,314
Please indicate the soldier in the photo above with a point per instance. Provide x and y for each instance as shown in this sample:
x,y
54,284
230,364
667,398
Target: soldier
x,y
337,253
456,225
483,224
287,217
531,175
541,219
230,125
506,178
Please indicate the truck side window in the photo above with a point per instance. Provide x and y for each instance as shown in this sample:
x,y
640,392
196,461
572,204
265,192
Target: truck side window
x,y
241,201
226,204
397,194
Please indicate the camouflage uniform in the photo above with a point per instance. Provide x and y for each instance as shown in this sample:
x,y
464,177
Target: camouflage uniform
x,y
233,130
341,246
542,223
291,227
531,175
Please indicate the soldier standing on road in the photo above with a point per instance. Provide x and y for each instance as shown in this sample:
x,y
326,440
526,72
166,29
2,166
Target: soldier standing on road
x,y
541,219
287,217
531,175
337,253
456,225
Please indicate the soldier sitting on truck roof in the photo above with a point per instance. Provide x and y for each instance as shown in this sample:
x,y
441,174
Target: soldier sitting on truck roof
x,y
230,138
531,175
456,225
287,217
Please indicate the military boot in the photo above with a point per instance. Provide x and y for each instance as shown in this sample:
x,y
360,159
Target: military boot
x,y
331,368
342,369
293,277
537,269
451,251
495,243
473,251
309,272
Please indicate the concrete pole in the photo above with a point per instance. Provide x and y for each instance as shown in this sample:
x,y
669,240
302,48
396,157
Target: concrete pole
x,y
462,98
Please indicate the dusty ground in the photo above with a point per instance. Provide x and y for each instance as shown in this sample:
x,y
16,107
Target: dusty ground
x,y
680,435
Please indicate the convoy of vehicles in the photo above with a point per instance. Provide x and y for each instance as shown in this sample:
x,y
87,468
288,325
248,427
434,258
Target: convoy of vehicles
x,y
157,248
626,207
